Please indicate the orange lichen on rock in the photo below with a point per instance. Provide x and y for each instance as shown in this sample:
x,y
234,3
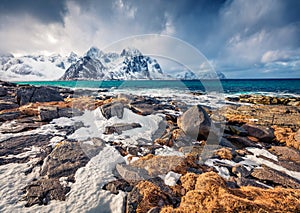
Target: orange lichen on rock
x,y
286,136
210,194
224,153
152,195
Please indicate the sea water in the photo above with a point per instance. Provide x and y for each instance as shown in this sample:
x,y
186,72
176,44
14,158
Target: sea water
x,y
276,87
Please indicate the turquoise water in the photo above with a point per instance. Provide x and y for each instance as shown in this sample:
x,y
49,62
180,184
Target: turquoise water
x,y
229,86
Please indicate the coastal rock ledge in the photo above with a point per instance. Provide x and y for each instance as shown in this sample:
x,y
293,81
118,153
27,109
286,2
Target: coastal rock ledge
x,y
107,152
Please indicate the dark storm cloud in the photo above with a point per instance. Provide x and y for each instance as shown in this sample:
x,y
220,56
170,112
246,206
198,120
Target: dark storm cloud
x,y
45,10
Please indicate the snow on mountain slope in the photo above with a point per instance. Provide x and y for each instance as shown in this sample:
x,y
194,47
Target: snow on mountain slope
x,y
34,67
130,64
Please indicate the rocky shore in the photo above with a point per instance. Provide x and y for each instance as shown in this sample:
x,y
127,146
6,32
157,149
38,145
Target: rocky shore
x,y
90,151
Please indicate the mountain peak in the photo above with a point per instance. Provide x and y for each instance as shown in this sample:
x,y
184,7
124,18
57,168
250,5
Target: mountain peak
x,y
130,52
94,52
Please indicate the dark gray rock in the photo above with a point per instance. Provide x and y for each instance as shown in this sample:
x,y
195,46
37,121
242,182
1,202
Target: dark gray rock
x,y
116,185
132,174
42,191
7,105
237,130
47,113
64,160
241,142
112,109
32,94
7,116
69,112
241,171
279,178
242,181
227,143
120,127
263,133
133,199
19,126
16,145
195,122
3,91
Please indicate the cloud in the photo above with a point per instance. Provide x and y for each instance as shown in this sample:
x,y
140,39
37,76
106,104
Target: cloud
x,y
236,35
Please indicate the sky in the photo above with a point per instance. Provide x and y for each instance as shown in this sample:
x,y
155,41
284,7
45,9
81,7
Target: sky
x,y
241,38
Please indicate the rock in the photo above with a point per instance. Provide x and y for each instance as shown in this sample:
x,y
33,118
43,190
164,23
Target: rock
x,y
267,174
64,160
120,127
265,134
226,143
208,192
16,145
224,153
237,130
242,181
69,112
125,97
143,108
195,122
42,191
18,126
286,153
133,199
32,94
241,171
132,174
7,105
180,139
297,136
116,185
3,91
7,116
112,109
47,113
241,142
160,165
147,196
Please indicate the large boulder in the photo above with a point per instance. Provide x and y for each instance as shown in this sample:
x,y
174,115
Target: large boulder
x,y
263,133
195,122
37,94
112,109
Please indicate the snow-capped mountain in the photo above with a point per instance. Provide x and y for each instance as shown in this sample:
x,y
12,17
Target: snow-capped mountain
x,y
34,67
189,75
130,64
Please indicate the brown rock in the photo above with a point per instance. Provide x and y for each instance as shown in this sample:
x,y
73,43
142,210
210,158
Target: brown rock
x,y
42,191
64,160
286,153
268,174
120,127
265,134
